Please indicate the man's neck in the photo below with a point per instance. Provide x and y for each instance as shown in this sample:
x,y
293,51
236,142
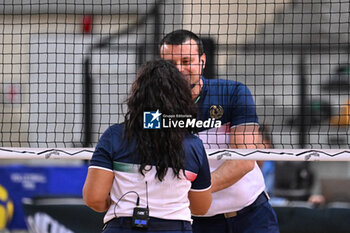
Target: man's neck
x,y
197,89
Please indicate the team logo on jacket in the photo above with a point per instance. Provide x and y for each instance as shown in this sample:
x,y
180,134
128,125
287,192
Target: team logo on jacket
x,y
216,111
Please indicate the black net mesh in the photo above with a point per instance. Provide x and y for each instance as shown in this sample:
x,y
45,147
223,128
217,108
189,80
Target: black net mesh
x,y
67,68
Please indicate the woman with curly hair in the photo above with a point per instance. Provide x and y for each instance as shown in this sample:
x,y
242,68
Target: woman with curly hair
x,y
150,179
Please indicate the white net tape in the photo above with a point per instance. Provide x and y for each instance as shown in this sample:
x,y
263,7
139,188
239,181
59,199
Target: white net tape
x,y
226,154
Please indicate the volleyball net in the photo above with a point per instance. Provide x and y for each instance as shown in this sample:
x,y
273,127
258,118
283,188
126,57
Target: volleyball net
x,y
67,68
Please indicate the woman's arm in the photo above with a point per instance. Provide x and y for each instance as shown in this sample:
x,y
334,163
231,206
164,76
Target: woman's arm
x,y
96,189
200,201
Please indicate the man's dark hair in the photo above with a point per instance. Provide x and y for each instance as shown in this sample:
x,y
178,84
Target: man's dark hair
x,y
178,37
159,86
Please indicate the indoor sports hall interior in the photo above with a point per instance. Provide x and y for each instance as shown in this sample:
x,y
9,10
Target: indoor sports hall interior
x,y
67,68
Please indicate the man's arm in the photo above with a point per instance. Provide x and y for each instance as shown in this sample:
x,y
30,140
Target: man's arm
x,y
231,171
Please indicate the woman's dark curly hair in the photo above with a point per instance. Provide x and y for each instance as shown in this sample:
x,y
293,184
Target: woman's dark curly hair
x,y
159,86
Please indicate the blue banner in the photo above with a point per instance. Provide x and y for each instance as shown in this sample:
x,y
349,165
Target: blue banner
x,y
33,181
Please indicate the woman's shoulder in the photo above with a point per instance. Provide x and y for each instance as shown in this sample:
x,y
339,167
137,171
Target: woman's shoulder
x,y
193,141
192,138
115,129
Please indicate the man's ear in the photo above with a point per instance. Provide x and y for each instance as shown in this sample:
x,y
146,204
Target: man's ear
x,y
203,59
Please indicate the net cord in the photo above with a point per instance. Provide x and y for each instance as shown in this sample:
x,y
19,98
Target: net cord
x,y
213,154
